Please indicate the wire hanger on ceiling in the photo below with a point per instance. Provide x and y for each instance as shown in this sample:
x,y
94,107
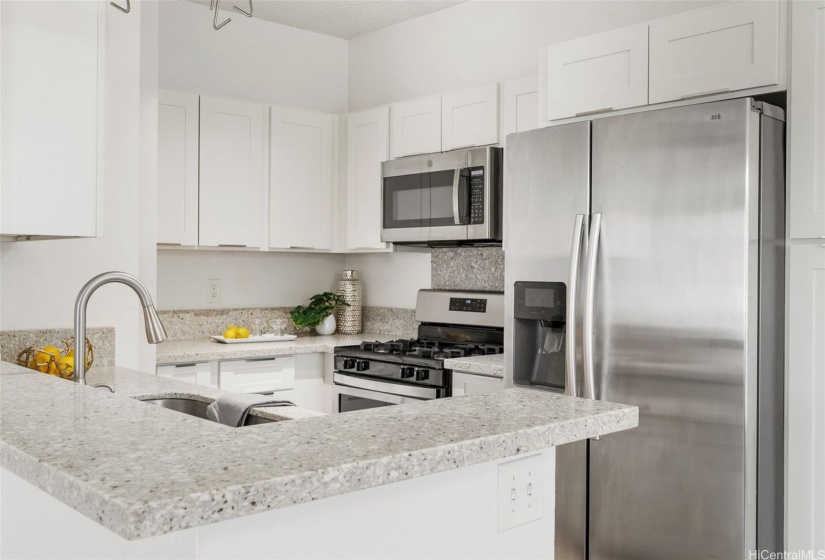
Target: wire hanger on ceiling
x,y
128,7
215,5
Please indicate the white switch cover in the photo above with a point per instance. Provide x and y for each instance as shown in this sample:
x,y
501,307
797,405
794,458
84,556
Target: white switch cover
x,y
213,291
520,484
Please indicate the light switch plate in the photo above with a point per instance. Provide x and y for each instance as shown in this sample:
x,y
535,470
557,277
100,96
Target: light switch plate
x,y
520,486
213,291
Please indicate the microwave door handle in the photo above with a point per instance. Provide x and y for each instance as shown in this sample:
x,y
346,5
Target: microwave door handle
x,y
590,285
459,198
456,181
570,381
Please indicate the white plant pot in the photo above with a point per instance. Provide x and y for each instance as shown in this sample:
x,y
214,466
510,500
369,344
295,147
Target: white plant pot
x,y
327,326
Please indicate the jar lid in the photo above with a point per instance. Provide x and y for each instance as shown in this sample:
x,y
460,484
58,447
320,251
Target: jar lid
x,y
351,274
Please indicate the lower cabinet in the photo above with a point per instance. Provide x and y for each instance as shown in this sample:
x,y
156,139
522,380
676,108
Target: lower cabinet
x,y
204,374
257,375
472,384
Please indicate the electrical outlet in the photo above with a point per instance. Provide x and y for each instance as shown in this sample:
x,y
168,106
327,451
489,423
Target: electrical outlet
x,y
520,484
213,291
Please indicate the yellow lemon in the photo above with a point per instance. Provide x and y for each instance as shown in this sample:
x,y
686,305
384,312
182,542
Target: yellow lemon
x,y
231,332
66,364
43,357
243,332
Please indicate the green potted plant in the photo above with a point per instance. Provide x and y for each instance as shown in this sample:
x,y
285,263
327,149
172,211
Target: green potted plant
x,y
318,313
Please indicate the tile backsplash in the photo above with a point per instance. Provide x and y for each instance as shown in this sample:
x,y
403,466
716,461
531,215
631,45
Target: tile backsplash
x,y
14,342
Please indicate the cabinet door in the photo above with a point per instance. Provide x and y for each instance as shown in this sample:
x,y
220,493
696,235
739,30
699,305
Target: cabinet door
x,y
806,120
415,127
257,375
231,166
729,47
51,71
178,128
204,374
806,393
597,73
470,384
368,144
520,106
300,181
469,118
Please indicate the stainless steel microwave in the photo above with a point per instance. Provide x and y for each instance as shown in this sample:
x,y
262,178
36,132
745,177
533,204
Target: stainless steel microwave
x,y
442,199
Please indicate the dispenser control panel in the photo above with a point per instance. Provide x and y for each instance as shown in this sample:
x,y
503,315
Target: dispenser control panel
x,y
540,300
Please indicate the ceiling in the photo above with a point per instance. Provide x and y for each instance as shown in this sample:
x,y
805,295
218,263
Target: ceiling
x,y
340,18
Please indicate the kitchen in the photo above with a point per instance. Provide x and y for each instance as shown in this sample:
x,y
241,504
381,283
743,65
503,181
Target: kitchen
x,y
318,88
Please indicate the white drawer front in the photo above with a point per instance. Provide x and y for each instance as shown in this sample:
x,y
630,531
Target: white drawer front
x,y
203,374
257,375
731,47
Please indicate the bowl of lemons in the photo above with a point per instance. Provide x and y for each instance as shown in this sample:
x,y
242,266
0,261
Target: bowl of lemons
x,y
54,361
235,335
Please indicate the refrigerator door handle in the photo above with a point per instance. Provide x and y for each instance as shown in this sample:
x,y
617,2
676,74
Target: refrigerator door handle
x,y
570,388
589,287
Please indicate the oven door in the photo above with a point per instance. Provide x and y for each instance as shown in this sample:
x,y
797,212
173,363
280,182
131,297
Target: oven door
x,y
426,198
358,393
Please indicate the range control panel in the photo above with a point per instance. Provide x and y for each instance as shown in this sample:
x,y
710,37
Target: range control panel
x,y
476,195
471,305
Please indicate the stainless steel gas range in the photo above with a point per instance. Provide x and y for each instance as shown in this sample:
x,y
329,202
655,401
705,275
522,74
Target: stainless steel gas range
x,y
452,324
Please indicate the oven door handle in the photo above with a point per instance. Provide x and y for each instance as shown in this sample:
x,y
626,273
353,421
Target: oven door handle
x,y
374,396
390,389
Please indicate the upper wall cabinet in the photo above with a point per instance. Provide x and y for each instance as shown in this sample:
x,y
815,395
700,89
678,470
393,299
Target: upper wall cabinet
x,y
597,73
178,131
51,108
730,47
520,106
806,127
231,170
469,118
300,182
416,126
368,144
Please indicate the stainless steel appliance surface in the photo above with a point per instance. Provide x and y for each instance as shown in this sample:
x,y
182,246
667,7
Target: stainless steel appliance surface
x,y
645,265
449,198
453,324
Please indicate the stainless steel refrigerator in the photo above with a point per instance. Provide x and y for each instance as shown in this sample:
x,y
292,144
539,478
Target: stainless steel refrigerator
x,y
645,265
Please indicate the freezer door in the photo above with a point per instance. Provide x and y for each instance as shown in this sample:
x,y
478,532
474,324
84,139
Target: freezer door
x,y
675,332
546,186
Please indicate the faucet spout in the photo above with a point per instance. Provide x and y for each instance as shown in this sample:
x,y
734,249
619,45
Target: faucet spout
x,y
155,332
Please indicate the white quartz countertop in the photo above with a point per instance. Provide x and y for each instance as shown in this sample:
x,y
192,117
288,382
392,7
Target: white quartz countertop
x,y
142,470
491,366
206,350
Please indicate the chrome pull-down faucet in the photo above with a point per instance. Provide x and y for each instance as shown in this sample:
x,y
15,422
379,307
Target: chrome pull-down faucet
x,y
155,332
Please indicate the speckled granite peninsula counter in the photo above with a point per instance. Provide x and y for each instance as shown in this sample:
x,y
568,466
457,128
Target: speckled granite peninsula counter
x,y
142,470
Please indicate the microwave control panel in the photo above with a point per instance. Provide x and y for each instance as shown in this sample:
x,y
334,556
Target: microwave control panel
x,y
476,195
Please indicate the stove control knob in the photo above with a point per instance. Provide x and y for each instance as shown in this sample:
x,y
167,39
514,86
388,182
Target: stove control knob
x,y
422,374
363,365
407,372
349,363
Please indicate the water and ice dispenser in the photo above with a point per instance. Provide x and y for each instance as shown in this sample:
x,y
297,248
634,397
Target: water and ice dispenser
x,y
539,329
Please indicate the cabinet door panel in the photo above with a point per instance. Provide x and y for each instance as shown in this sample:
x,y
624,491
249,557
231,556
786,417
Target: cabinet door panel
x,y
730,47
367,146
469,118
806,393
203,374
178,128
601,72
806,121
415,127
51,74
471,384
300,183
257,375
231,165
520,106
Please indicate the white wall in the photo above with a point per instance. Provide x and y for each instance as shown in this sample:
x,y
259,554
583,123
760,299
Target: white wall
x,y
392,279
248,279
262,61
40,280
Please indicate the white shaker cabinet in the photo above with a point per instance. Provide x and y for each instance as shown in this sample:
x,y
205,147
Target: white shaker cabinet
x,y
806,121
231,173
204,374
472,384
257,375
806,392
178,131
300,181
520,106
51,107
729,47
368,144
597,73
469,118
415,126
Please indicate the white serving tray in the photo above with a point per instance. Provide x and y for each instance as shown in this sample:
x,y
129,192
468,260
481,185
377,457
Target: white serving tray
x,y
262,338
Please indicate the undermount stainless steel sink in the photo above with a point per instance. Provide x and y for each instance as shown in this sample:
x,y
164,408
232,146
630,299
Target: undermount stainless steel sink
x,y
197,408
